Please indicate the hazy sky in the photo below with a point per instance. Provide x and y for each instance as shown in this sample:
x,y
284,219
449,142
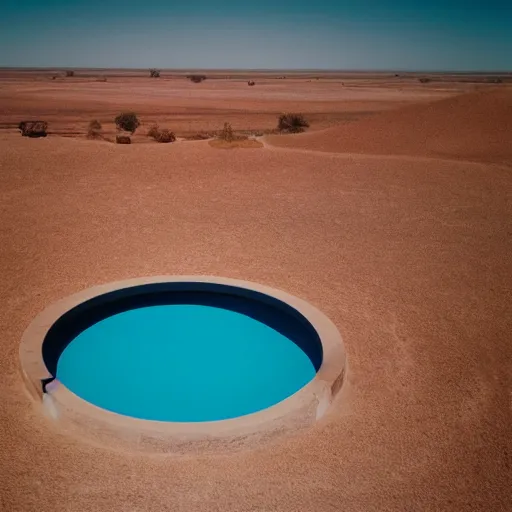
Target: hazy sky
x,y
439,35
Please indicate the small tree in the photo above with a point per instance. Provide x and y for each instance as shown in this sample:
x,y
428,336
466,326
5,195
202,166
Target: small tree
x,y
127,121
227,133
292,123
70,73
154,73
94,130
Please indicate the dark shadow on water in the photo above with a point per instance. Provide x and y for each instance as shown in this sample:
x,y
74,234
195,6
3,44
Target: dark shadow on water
x,y
268,310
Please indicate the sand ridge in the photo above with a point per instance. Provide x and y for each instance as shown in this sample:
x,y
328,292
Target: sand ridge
x,y
473,126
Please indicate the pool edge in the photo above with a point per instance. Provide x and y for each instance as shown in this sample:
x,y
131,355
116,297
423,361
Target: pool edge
x,y
300,410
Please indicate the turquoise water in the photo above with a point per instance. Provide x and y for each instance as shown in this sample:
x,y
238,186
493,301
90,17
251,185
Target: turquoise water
x,y
183,363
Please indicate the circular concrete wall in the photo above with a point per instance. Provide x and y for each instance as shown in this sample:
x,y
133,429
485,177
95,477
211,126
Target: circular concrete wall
x,y
46,337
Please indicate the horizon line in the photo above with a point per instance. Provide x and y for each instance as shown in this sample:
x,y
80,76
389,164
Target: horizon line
x,y
292,70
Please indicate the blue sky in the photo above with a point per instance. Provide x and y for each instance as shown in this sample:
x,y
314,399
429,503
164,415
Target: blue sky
x,y
441,35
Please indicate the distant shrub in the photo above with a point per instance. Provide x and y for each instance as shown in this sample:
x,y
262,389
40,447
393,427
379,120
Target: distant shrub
x,y
54,77
292,123
101,79
250,82
196,78
33,128
127,121
166,136
94,129
70,72
154,73
123,139
163,135
425,80
227,133
153,131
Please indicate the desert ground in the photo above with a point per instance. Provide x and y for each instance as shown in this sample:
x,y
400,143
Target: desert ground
x,y
391,214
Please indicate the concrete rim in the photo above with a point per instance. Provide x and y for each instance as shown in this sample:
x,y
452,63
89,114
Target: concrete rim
x,y
297,411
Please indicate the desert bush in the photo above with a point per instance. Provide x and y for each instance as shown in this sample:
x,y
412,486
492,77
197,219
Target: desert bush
x,y
292,123
153,131
250,82
33,128
196,78
123,139
163,135
154,73
166,136
54,77
227,133
425,80
94,129
70,72
127,121
101,79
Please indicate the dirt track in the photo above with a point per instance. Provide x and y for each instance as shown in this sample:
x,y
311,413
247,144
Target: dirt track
x,y
409,257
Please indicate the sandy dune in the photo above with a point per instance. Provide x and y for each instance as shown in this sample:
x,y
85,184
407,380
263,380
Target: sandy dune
x,y
410,258
473,126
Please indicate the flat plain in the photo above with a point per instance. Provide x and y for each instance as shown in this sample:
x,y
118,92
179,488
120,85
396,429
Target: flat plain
x,y
391,214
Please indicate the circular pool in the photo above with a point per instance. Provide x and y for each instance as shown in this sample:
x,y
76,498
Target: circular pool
x,y
171,361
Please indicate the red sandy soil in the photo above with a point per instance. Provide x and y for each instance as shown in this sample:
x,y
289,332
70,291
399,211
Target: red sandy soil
x,y
69,104
410,257
475,126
